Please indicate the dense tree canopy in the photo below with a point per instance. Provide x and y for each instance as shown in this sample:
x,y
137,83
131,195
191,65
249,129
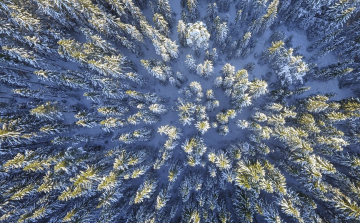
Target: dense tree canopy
x,y
179,111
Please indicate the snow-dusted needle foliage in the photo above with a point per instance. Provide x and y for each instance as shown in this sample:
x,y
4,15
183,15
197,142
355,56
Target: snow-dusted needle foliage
x,y
180,111
197,35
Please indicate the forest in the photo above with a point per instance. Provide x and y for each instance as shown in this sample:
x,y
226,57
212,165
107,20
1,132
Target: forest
x,y
194,111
